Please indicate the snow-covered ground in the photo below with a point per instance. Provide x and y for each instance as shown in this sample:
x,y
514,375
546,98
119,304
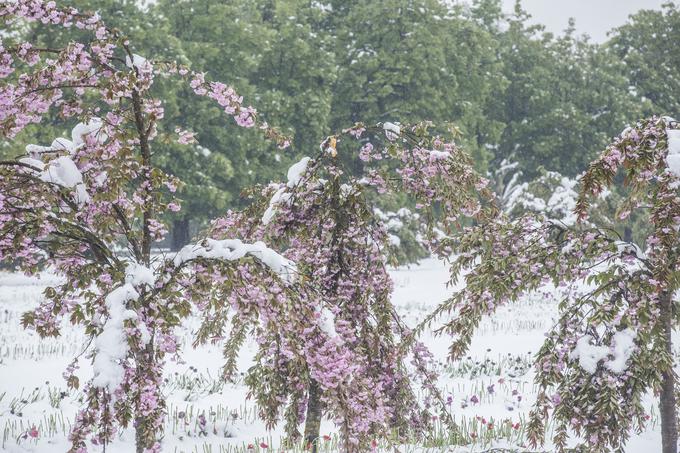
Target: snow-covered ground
x,y
493,385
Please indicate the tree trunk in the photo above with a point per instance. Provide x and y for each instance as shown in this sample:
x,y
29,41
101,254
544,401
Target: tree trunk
x,y
628,234
667,406
139,435
143,437
313,419
180,234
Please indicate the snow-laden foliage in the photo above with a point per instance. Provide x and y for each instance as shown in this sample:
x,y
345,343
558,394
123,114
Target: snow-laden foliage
x,y
89,208
405,232
333,346
551,194
611,343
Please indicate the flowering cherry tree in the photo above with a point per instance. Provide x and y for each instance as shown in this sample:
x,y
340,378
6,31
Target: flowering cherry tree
x,y
90,206
335,346
611,344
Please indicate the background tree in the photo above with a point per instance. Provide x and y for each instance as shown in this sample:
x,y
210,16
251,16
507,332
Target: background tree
x,y
223,40
514,92
276,54
645,44
412,61
565,97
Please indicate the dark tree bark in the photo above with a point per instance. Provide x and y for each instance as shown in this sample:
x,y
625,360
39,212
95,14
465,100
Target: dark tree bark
x,y
144,438
180,234
628,234
313,418
667,405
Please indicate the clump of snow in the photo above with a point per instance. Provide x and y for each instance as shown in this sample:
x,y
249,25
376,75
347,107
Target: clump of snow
x,y
623,345
629,248
78,134
295,173
111,345
138,62
439,155
326,8
36,163
560,205
511,191
440,234
101,179
589,355
673,157
615,356
138,275
346,190
81,130
380,214
520,196
234,249
58,144
392,131
63,172
205,152
327,322
144,334
395,224
563,200
280,196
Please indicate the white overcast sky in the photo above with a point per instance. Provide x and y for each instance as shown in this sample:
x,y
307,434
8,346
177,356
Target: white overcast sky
x,y
594,17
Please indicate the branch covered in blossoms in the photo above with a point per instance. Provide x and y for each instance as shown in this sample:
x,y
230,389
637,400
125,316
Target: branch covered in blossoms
x,y
611,342
89,208
333,346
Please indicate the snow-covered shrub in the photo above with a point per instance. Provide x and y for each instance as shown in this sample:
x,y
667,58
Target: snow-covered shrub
x,y
550,194
405,230
554,196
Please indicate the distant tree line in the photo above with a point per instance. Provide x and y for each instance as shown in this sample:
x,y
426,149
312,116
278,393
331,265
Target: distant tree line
x,y
512,91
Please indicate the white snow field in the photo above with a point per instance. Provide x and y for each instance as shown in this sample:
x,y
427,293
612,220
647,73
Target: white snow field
x,y
493,385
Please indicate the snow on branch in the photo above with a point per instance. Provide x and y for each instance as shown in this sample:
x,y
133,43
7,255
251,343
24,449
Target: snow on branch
x,y
295,173
235,249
